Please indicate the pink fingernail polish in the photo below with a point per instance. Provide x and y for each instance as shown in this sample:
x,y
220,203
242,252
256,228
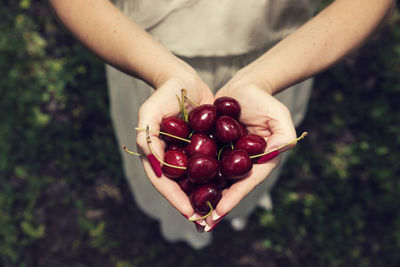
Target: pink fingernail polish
x,y
155,164
187,217
268,157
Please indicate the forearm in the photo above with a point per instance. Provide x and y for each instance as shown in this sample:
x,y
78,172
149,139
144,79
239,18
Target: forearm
x,y
325,39
115,38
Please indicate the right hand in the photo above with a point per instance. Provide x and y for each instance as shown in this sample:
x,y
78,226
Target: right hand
x,y
163,103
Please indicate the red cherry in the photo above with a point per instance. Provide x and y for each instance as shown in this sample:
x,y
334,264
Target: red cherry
x,y
227,106
175,147
202,168
224,150
203,194
175,158
227,129
202,118
201,144
253,144
236,164
242,129
174,126
220,181
185,184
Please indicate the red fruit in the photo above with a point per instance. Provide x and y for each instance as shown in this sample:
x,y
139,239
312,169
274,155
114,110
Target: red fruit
x,y
227,129
201,144
253,144
220,181
175,147
203,194
236,164
185,184
201,168
176,127
202,118
175,158
224,150
242,129
227,106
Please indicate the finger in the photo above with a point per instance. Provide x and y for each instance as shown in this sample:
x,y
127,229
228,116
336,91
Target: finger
x,y
168,188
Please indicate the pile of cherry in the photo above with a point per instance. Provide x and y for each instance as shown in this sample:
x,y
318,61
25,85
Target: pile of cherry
x,y
209,149
211,163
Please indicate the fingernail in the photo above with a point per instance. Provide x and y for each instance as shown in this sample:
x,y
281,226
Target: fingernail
x,y
155,164
187,217
268,157
199,222
216,217
202,223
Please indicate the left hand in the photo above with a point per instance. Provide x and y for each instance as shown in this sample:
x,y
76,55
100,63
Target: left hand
x,y
263,115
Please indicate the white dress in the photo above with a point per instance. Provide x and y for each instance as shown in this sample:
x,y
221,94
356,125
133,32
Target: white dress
x,y
217,38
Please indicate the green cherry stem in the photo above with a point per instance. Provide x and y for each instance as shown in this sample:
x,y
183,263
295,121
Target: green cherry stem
x,y
148,140
304,134
205,216
182,105
164,133
130,152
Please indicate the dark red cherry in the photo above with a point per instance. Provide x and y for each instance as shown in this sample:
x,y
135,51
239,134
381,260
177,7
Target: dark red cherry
x,y
185,184
201,144
242,129
224,150
220,181
227,106
202,118
227,129
201,168
174,126
175,147
203,193
253,144
236,164
175,158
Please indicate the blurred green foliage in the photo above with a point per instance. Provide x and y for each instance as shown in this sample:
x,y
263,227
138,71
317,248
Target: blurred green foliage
x,y
64,202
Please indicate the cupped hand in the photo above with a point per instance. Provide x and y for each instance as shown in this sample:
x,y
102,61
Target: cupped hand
x,y
164,103
265,116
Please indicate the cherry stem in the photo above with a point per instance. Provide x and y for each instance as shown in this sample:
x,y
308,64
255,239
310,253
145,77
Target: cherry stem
x,y
148,140
191,102
182,105
304,134
184,97
164,133
130,152
205,216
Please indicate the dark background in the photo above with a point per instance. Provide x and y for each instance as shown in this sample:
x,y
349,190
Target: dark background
x,y
64,200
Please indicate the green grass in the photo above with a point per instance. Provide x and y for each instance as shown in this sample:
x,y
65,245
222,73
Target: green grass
x,y
64,201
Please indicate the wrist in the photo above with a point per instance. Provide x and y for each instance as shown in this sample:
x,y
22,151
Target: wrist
x,y
246,77
177,70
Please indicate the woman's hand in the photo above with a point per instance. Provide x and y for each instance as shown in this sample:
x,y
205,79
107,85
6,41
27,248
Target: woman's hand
x,y
163,103
263,115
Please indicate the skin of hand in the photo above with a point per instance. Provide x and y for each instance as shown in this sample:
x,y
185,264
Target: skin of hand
x,y
163,103
263,115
